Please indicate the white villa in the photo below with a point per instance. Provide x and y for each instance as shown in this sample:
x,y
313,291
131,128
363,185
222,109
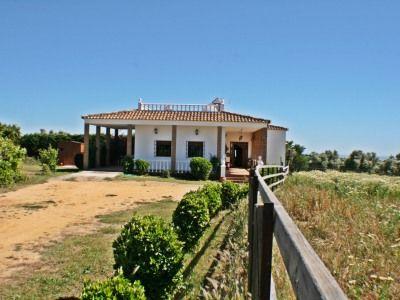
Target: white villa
x,y
169,135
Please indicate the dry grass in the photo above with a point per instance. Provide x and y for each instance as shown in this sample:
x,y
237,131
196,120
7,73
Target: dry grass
x,y
229,279
353,223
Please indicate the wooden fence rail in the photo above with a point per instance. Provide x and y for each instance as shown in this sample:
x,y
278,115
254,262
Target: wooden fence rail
x,y
309,277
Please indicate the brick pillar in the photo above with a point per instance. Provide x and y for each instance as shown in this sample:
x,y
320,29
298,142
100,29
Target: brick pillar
x,y
129,142
259,144
173,148
108,146
98,128
86,147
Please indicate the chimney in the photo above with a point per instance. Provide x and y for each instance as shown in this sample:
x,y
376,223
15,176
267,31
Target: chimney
x,y
219,103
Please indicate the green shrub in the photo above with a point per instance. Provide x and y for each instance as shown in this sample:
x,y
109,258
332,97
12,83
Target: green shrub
x,y
116,288
216,163
141,166
200,168
48,158
128,164
243,191
230,193
165,174
151,246
11,157
212,191
191,218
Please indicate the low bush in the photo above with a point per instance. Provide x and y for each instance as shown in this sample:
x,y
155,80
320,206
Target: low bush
x,y
200,168
191,218
165,174
11,157
212,191
128,165
116,288
216,163
243,191
141,166
230,193
48,158
150,245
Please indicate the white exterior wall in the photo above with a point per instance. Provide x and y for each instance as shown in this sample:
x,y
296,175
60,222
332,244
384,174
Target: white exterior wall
x,y
276,147
234,137
184,134
145,139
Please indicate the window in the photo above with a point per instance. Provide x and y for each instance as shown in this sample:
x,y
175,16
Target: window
x,y
195,149
163,148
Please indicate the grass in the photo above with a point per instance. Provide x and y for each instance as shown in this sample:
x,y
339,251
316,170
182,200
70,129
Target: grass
x,y
128,177
66,264
227,278
32,174
353,223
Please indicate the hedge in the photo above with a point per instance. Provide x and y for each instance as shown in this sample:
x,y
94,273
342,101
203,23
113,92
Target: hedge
x,y
116,288
212,191
230,193
150,246
191,218
200,168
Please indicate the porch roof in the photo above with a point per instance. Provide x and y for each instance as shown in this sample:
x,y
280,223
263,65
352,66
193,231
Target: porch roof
x,y
164,115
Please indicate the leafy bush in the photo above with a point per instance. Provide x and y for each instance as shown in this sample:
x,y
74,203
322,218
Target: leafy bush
x,y
191,218
48,158
141,166
212,191
151,245
11,157
128,164
230,193
117,288
215,162
200,168
166,174
243,191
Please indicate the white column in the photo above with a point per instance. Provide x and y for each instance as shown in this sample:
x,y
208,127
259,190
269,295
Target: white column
x,y
221,150
129,142
86,147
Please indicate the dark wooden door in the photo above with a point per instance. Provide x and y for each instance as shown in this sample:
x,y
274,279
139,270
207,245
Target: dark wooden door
x,y
239,154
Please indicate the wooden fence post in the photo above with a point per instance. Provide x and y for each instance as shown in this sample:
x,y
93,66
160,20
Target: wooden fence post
x,y
253,194
267,220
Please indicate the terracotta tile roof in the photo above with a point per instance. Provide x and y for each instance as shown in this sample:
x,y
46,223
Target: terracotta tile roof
x,y
275,127
160,115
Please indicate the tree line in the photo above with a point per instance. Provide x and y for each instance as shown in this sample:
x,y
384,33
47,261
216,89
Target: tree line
x,y
357,161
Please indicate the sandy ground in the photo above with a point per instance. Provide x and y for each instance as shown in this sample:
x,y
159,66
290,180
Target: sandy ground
x,y
32,217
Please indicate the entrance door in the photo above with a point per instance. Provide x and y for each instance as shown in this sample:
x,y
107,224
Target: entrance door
x,y
239,154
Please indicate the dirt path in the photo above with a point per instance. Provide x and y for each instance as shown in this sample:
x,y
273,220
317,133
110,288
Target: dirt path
x,y
32,217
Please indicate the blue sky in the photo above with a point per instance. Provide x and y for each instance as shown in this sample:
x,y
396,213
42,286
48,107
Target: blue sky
x,y
328,70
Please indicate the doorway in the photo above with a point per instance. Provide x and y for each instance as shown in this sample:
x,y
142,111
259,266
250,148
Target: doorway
x,y
239,154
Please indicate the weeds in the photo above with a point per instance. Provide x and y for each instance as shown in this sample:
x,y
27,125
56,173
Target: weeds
x,y
353,223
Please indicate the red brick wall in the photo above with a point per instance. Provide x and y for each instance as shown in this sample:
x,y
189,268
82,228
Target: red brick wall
x,y
259,144
67,152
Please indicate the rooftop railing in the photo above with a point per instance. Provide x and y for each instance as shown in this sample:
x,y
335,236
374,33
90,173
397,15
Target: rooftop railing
x,y
180,107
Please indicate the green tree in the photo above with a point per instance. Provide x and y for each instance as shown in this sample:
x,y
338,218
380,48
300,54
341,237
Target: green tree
x,y
11,132
295,157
